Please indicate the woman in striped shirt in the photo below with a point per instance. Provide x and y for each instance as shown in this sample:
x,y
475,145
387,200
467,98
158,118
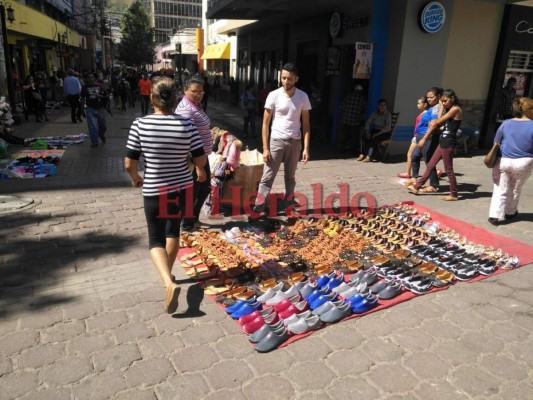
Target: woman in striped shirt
x,y
164,139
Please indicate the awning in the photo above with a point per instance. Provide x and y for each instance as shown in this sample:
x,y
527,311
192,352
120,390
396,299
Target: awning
x,y
218,51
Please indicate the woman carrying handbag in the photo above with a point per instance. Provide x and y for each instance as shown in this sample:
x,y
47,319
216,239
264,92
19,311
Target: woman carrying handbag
x,y
514,167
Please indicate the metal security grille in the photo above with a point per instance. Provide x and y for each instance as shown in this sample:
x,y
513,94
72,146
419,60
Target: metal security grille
x,y
520,61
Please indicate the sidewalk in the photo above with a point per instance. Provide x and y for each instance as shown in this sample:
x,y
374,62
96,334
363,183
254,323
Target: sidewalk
x,y
82,316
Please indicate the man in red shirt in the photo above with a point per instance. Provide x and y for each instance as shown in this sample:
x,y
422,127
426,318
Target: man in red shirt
x,y
145,85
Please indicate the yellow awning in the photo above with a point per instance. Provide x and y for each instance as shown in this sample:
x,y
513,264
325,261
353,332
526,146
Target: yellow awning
x,y
218,51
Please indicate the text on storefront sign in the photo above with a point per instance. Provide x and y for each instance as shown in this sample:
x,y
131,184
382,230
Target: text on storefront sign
x,y
524,27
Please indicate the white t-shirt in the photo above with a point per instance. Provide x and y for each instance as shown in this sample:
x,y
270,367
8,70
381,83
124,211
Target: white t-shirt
x,y
287,113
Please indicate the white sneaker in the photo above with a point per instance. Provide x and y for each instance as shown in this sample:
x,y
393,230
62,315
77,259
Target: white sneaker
x,y
281,295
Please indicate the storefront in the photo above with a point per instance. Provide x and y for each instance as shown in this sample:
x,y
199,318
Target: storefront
x,y
514,59
456,50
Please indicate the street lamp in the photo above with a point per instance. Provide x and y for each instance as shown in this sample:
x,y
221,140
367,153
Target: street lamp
x,y
7,53
178,62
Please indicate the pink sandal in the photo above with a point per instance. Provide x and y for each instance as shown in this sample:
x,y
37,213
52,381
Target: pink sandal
x,y
404,175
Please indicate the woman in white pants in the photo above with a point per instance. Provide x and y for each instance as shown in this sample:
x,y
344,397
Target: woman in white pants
x,y
514,167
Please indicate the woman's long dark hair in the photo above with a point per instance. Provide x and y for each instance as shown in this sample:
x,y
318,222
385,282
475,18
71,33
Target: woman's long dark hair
x,y
449,93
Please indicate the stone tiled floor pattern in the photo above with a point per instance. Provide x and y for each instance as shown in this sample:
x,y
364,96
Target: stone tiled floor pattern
x,y
81,313
448,345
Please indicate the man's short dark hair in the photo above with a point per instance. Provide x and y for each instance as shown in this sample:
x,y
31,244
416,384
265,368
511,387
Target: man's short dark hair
x,y
290,67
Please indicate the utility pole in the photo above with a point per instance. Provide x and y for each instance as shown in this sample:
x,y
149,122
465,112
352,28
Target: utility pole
x,y
178,53
102,34
7,56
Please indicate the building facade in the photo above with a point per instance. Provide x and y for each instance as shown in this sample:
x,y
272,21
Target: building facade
x,y
51,35
170,16
384,46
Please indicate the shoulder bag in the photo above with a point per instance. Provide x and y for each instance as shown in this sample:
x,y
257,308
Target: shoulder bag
x,y
492,155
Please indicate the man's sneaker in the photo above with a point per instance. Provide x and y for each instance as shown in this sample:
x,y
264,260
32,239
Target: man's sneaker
x,y
260,209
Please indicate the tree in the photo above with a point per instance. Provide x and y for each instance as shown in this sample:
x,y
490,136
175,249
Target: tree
x,y
137,45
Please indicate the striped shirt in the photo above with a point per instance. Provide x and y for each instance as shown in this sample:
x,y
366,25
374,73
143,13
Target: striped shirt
x,y
190,110
164,141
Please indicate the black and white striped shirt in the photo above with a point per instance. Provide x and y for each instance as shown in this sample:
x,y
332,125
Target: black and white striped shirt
x,y
164,141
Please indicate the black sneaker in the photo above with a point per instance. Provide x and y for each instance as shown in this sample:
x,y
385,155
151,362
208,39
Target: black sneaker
x,y
494,221
260,209
511,216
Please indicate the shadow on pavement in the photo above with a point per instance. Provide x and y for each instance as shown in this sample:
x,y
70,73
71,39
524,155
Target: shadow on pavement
x,y
35,259
195,295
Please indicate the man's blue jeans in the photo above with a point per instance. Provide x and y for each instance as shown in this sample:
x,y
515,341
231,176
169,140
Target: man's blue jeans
x,y
92,122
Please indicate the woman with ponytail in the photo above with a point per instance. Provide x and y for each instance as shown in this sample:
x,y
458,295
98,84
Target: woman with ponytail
x,y
164,139
450,117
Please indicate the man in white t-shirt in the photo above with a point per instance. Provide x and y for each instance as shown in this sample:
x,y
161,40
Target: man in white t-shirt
x,y
288,108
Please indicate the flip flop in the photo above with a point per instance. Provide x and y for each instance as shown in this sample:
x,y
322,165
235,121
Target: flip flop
x,y
412,189
403,175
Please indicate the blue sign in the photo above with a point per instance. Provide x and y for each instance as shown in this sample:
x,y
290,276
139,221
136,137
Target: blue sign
x,y
432,17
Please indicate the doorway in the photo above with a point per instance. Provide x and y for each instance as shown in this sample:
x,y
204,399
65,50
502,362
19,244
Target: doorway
x,y
307,64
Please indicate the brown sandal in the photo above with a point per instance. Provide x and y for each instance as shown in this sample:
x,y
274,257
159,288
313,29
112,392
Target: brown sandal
x,y
412,189
449,198
429,189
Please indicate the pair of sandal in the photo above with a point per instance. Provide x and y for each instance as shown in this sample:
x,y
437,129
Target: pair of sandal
x,y
428,189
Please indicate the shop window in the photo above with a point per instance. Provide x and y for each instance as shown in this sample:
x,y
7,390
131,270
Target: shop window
x,y
520,61
520,67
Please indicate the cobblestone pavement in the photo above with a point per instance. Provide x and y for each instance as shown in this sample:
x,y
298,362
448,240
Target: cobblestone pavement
x,y
82,316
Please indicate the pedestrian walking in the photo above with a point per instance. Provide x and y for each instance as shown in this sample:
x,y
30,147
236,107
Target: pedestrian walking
x,y
145,86
169,138
515,165
249,107
450,117
95,97
72,89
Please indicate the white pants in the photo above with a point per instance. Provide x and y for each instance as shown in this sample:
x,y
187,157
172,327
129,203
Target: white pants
x,y
508,175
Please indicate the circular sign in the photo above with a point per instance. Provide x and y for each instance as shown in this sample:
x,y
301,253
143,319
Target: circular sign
x,y
432,17
335,25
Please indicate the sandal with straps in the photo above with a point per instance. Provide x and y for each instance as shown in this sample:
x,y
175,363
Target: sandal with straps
x,y
429,189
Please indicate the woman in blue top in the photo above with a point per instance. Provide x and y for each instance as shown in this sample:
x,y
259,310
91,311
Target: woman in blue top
x,y
514,167
426,148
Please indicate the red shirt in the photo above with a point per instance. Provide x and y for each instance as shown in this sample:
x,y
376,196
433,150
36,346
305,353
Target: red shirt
x,y
145,85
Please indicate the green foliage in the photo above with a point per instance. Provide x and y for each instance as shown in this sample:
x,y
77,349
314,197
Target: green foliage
x,y
116,7
137,45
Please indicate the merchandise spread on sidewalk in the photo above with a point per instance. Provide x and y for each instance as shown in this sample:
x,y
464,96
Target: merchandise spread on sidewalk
x,y
33,164
42,160
282,282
